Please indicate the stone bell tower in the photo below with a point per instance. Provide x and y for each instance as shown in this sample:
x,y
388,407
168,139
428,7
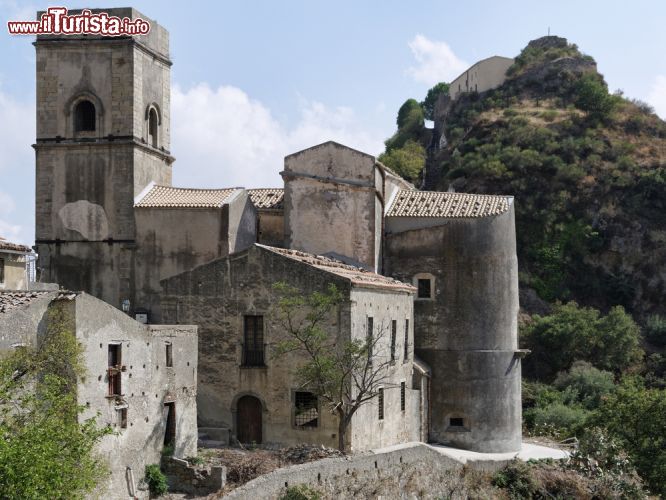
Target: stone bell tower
x,y
103,106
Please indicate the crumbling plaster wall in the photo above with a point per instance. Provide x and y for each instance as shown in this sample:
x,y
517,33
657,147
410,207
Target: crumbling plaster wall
x,y
330,203
147,384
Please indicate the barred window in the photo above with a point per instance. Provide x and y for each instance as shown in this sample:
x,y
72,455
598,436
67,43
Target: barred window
x,y
380,403
253,345
402,396
369,334
306,409
2,270
394,332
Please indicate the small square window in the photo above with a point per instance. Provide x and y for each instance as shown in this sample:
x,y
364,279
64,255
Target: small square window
x,y
424,288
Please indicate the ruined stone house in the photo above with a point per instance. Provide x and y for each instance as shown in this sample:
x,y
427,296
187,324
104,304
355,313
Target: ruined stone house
x,y
140,379
110,223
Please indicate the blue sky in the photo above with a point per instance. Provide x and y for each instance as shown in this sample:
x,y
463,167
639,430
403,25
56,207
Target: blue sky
x,y
253,81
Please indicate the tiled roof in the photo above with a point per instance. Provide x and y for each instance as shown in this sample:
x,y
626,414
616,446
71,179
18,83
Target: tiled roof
x,y
267,198
173,197
12,300
15,247
434,204
358,276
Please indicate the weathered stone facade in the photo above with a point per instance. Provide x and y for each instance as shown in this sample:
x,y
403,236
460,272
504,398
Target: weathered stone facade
x,y
219,297
110,223
140,379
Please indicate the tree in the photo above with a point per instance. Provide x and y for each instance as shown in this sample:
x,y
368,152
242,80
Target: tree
x,y
45,451
409,108
637,418
428,104
592,97
575,333
344,374
407,161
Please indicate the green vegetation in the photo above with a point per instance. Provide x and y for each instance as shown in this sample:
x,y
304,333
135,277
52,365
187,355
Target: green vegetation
x,y
156,480
609,342
407,161
300,492
428,104
46,450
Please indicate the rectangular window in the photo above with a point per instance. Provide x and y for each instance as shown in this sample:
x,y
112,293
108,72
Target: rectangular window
x,y
394,333
306,409
380,403
369,339
114,369
122,418
424,289
406,342
456,422
2,270
169,354
253,345
402,396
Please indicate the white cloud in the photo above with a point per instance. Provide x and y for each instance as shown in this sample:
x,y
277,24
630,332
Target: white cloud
x,y
436,61
222,137
657,96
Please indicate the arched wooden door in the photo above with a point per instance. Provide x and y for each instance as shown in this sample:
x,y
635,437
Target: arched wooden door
x,y
248,420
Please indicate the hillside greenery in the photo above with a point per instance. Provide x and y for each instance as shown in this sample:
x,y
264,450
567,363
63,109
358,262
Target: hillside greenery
x,y
587,169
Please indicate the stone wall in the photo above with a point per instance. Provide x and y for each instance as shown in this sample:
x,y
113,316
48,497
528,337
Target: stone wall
x,y
195,480
406,472
467,332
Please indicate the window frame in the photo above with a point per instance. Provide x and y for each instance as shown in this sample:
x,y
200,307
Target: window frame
x,y
380,403
317,408
394,335
424,276
254,357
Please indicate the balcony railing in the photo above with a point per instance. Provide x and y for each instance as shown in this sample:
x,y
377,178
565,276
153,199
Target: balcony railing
x,y
253,357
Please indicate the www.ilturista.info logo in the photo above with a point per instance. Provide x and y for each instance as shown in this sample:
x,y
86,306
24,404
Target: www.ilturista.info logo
x,y
56,21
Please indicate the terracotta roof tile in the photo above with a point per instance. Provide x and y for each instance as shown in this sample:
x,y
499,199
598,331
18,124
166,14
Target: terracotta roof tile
x,y
358,276
267,198
173,197
15,247
13,300
436,204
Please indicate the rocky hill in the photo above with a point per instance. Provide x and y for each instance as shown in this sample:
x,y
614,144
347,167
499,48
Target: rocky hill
x,y
587,169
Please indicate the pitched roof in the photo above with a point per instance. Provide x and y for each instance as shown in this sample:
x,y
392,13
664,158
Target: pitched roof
x,y
267,198
358,276
173,197
11,300
434,204
14,247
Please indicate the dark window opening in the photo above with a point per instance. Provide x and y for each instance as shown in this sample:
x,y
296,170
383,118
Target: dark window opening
x,y
2,270
152,128
369,339
402,396
394,333
424,288
169,354
380,403
84,117
114,369
170,431
122,418
406,342
306,412
456,422
253,345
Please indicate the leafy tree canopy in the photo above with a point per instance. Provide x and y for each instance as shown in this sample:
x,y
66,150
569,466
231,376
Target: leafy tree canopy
x,y
407,161
45,450
428,104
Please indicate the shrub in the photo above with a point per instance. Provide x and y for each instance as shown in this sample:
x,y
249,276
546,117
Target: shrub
x,y
592,96
563,418
300,492
156,480
655,330
407,161
517,479
585,384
